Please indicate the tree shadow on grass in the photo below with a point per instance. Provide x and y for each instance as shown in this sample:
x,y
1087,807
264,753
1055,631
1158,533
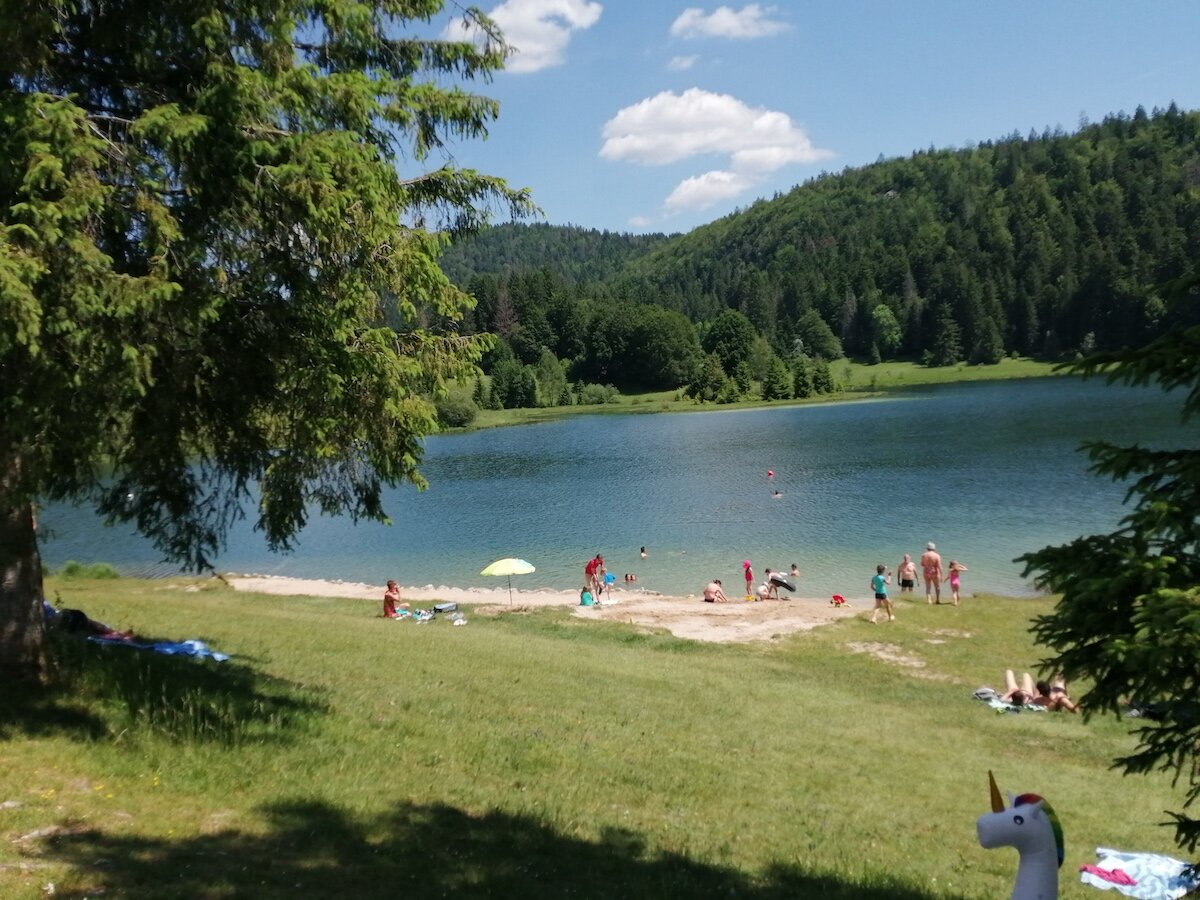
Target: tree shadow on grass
x,y
97,689
316,850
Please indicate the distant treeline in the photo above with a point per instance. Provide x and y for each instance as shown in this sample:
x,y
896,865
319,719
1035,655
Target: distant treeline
x,y
1044,246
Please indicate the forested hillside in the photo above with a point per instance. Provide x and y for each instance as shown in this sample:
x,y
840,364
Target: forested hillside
x,y
571,253
1042,246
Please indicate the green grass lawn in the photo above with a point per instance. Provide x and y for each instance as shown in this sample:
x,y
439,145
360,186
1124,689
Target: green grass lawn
x,y
537,755
856,380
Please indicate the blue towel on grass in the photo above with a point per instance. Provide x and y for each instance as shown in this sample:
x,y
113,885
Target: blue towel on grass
x,y
170,648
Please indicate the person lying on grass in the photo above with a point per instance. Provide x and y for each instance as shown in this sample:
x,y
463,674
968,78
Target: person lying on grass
x,y
1053,696
76,621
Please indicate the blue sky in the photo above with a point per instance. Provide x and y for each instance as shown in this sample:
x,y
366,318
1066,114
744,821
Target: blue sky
x,y
656,115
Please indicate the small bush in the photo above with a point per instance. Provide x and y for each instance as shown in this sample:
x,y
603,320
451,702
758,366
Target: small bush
x,y
456,411
73,570
588,394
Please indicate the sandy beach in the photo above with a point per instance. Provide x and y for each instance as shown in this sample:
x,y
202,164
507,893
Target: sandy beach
x,y
685,617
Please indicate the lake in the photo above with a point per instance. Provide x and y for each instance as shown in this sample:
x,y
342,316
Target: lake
x,y
987,470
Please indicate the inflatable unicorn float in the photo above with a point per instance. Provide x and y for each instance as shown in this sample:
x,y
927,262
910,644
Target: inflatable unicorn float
x,y
1029,824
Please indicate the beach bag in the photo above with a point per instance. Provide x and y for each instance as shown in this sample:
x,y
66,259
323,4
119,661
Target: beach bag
x,y
445,607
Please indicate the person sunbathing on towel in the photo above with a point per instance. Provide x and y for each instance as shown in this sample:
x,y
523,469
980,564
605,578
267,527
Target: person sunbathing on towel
x,y
1053,697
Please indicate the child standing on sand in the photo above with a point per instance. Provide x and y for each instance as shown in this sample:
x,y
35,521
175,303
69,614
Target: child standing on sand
x,y
879,584
749,573
955,581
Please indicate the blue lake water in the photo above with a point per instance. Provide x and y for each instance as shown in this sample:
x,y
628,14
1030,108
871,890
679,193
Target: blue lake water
x,y
988,471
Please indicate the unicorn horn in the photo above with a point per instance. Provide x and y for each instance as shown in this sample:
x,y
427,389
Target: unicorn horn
x,y
997,800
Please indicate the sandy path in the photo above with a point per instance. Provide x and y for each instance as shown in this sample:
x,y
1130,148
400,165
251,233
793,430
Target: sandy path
x,y
686,617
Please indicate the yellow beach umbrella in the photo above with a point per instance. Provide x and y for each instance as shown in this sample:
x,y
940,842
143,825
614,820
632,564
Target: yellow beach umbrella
x,y
509,566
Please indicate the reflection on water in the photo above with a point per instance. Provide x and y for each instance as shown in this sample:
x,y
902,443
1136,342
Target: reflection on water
x,y
988,471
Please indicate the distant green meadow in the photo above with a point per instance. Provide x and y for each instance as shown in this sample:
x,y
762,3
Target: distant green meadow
x,y
855,381
533,754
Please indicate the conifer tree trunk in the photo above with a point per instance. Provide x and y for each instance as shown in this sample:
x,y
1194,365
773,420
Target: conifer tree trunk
x,y
22,625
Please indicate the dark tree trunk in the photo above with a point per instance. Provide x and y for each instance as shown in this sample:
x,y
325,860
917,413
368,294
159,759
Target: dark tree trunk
x,y
22,625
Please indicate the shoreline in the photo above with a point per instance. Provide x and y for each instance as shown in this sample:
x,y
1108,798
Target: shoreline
x,y
287,586
862,382
685,617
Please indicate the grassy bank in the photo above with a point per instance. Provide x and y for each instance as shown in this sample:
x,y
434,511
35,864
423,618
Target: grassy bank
x,y
536,755
854,379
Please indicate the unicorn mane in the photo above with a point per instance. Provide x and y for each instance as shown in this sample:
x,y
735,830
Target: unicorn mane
x,y
1050,814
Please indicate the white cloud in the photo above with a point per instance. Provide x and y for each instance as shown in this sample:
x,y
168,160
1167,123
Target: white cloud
x,y
682,63
538,30
640,222
670,127
724,22
702,191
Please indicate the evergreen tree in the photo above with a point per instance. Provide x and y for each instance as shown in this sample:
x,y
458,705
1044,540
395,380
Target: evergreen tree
x,y
777,385
990,348
946,347
710,381
208,284
822,377
743,378
525,392
803,385
1128,622
506,383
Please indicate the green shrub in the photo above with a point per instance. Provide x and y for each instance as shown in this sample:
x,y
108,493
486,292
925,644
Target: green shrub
x,y
74,570
588,394
456,411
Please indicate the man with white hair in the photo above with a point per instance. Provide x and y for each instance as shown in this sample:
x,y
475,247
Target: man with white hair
x,y
931,568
